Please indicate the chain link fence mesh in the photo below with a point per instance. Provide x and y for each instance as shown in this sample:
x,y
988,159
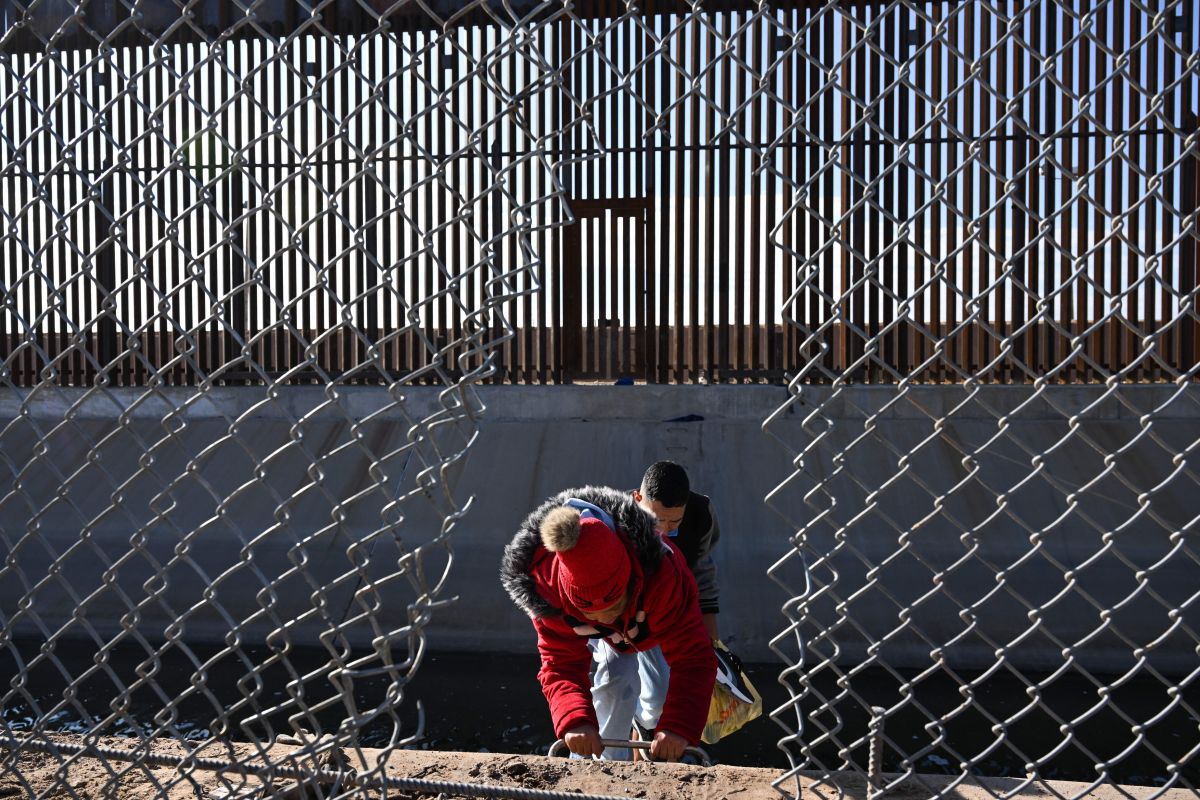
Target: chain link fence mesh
x,y
228,567
997,566
297,198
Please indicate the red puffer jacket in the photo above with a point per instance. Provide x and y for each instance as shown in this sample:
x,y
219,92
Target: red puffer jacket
x,y
665,612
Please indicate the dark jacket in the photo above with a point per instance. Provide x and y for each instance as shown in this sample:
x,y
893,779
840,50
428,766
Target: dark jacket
x,y
664,612
697,535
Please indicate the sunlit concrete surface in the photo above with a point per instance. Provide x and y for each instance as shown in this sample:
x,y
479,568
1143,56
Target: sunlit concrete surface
x,y
533,441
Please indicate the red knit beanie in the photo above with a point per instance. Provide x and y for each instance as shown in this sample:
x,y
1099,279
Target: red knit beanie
x,y
593,563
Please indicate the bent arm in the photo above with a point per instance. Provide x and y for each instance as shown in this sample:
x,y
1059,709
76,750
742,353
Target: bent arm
x,y
566,663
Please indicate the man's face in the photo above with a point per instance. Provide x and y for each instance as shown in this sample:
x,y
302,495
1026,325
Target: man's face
x,y
606,616
667,518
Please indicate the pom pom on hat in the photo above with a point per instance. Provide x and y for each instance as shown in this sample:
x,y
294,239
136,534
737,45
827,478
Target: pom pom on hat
x,y
593,563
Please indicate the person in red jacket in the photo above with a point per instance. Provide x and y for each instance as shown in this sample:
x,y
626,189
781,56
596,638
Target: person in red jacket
x,y
587,566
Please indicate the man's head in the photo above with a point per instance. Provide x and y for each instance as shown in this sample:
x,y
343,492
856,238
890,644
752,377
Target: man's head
x,y
593,562
664,493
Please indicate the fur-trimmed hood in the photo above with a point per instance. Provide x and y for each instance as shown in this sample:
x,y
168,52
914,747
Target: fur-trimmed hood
x,y
526,547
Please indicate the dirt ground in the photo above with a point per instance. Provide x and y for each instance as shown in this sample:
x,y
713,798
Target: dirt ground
x,y
86,778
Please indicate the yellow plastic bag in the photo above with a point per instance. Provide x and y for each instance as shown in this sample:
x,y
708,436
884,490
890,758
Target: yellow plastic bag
x,y
734,702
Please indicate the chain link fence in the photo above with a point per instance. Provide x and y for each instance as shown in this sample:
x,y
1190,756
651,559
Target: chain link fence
x,y
215,221
964,233
991,576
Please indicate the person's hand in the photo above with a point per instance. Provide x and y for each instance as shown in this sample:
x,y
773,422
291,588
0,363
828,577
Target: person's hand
x,y
584,740
667,746
710,625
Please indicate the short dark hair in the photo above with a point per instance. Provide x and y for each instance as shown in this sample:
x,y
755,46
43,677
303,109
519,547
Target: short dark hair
x,y
666,482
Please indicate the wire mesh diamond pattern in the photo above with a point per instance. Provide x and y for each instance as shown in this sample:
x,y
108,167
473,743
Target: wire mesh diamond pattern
x,y
238,238
1028,170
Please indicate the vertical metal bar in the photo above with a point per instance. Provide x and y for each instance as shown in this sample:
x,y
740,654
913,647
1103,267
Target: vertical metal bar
x,y
634,188
572,266
872,310
1021,289
866,167
1190,349
1170,322
679,211
508,351
860,167
275,173
752,351
8,240
1031,261
173,255
257,233
1114,328
618,187
611,220
138,338
593,311
1130,341
793,169
455,255
769,352
533,189
40,178
646,160
301,163
712,45
372,248
955,274
665,217
550,331
408,170
209,285
979,42
692,136
346,162
1100,104
104,218
428,203
742,164
938,267
814,158
351,278
1189,334
1159,153
829,29
440,260
56,262
1041,200
724,189
849,193
905,331
242,234
187,170
886,269
997,154
53,258
1074,296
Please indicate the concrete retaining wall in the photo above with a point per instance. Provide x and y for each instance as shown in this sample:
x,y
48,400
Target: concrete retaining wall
x,y
1103,519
